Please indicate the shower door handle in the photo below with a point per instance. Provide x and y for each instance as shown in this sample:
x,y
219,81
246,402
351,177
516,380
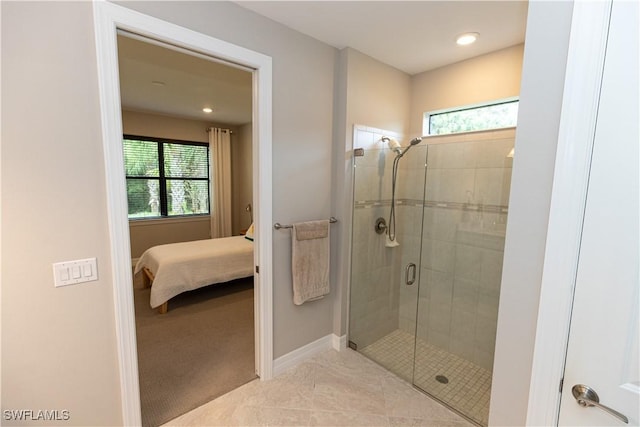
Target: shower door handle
x,y
410,269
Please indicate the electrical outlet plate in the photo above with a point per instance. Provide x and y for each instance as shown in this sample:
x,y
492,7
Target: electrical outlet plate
x,y
73,272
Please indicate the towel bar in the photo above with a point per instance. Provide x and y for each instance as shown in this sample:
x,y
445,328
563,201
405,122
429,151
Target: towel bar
x,y
279,226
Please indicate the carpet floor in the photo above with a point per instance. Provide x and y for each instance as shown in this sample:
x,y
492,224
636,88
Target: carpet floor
x,y
201,349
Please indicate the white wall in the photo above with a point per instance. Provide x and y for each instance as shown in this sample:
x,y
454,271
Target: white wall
x,y
548,26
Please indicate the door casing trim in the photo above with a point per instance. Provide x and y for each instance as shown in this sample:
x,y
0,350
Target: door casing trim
x,y
108,19
585,63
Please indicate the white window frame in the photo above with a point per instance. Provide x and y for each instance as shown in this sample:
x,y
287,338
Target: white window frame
x,y
426,118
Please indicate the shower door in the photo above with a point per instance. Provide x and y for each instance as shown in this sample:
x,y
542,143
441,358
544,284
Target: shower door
x,y
466,205
385,275
426,307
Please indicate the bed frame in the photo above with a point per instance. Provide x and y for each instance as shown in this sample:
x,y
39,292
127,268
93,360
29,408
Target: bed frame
x,y
147,280
174,268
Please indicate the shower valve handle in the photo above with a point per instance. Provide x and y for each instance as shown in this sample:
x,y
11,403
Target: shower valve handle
x,y
381,225
411,267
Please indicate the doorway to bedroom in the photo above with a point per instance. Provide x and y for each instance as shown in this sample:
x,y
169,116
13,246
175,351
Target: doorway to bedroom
x,y
187,143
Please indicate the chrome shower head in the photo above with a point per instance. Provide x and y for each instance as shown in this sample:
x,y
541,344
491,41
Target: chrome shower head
x,y
415,141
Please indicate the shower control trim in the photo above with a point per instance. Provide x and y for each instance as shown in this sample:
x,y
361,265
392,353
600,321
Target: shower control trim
x,y
411,268
381,225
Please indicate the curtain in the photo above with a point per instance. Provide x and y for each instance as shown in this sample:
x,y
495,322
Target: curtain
x,y
220,176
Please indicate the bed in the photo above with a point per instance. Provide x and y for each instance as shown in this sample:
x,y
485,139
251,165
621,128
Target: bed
x,y
179,267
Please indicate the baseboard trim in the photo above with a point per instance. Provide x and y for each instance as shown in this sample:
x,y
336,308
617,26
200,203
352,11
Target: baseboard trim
x,y
339,343
303,353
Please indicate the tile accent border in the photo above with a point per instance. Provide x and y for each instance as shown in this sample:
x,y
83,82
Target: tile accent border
x,y
299,355
366,204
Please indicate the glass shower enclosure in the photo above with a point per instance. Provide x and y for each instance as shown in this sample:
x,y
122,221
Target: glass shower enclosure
x,y
425,305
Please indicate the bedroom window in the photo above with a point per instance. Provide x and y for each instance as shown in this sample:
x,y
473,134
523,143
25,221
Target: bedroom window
x,y
166,178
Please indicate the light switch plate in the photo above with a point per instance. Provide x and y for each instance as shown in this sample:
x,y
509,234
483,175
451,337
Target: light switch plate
x,y
72,272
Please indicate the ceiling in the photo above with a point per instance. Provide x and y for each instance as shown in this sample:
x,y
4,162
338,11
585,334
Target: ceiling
x,y
412,36
163,80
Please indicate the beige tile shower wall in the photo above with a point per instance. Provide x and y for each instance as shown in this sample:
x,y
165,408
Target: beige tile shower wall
x,y
374,268
410,192
462,244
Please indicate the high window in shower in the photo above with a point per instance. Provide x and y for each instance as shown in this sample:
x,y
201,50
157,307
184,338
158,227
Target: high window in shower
x,y
495,115
425,304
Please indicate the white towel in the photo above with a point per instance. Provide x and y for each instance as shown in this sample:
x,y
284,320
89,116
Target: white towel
x,y
310,260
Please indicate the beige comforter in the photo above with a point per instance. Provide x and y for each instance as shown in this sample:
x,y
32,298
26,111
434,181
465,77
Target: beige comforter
x,y
180,267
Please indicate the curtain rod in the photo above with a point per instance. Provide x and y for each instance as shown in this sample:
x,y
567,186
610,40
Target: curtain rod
x,y
226,130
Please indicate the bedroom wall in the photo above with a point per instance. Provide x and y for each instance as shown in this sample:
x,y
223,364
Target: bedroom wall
x,y
241,185
59,344
162,126
147,233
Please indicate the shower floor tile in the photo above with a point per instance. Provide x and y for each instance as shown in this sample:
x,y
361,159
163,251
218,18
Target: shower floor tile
x,y
469,386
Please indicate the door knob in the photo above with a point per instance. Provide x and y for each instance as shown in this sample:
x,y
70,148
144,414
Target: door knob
x,y
586,396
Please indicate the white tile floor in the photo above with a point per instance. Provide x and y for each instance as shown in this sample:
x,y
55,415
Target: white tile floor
x,y
469,386
331,389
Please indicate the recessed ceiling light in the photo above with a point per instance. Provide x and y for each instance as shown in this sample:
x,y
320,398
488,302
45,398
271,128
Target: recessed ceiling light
x,y
467,38
207,110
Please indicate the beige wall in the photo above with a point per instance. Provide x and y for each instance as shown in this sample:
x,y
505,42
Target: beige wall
x,y
147,233
378,95
368,93
242,169
161,126
481,79
302,139
58,344
302,129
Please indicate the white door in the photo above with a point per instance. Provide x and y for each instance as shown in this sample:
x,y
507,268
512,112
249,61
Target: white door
x,y
604,335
